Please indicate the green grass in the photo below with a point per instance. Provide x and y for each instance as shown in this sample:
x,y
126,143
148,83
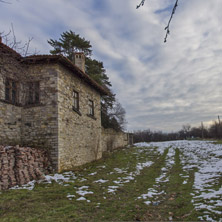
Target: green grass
x,y
49,202
218,142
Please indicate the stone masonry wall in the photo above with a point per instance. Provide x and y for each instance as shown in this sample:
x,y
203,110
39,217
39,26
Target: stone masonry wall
x,y
79,134
112,139
10,124
72,138
19,165
33,125
10,115
40,122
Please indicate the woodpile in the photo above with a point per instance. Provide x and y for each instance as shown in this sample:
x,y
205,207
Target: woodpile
x,y
20,165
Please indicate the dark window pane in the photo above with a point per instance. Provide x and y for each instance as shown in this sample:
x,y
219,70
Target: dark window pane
x,y
33,93
91,108
36,92
7,90
30,92
14,92
11,91
76,100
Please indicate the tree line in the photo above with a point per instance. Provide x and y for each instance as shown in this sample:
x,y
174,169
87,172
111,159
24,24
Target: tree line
x,y
213,131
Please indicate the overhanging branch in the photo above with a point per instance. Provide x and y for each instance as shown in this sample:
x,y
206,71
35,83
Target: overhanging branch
x,y
167,28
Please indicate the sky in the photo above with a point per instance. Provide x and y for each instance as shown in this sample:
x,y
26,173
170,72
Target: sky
x,y
162,86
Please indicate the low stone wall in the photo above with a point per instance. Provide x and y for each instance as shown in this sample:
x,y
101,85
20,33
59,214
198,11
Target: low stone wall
x,y
112,139
19,165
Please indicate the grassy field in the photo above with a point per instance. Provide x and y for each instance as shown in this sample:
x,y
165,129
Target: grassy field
x,y
133,184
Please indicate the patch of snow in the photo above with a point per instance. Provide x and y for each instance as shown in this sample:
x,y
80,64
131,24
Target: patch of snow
x,y
60,178
70,196
82,180
92,174
147,202
140,166
82,191
29,186
100,181
81,198
120,170
112,189
83,187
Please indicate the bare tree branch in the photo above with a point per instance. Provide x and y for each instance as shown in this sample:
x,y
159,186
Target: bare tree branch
x,y
10,40
26,46
167,28
141,4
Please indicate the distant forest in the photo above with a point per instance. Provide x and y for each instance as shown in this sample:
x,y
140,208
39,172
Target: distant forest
x,y
214,131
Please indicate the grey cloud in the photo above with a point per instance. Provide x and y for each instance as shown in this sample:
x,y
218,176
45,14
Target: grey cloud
x,y
162,86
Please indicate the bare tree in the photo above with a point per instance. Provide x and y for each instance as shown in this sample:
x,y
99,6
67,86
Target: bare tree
x,y
167,28
118,112
9,38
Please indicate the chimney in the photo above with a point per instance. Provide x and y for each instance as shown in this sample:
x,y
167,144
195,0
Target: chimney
x,y
80,60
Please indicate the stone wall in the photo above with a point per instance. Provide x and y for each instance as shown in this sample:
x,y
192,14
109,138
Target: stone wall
x,y
10,124
19,165
33,125
72,137
79,133
112,139
40,122
10,115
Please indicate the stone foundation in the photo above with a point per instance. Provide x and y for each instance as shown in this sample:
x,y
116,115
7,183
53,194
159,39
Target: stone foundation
x,y
20,165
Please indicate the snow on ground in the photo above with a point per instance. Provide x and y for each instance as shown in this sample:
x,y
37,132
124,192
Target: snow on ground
x,y
82,191
130,175
152,193
100,181
202,156
58,178
206,158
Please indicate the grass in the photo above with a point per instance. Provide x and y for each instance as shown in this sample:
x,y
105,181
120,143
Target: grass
x,y
218,142
49,202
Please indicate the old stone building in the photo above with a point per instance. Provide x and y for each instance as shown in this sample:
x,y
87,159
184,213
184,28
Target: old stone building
x,y
47,101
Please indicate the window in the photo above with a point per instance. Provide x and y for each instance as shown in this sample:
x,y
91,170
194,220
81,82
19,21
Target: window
x,y
76,100
33,96
11,91
91,108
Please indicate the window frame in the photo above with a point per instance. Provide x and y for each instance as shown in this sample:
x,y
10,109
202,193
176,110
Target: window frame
x,y
76,100
11,91
91,108
33,93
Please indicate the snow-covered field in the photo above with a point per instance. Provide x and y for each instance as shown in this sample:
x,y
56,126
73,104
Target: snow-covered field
x,y
205,158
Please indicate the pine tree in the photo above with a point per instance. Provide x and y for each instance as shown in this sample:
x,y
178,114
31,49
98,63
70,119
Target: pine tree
x,y
67,45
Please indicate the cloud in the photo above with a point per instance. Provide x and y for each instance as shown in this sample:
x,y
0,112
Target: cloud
x,y
161,86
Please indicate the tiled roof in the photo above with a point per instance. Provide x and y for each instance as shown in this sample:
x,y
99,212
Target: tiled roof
x,y
68,64
6,48
58,59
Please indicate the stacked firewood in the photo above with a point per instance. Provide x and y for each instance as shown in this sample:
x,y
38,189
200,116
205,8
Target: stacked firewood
x,y
20,165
